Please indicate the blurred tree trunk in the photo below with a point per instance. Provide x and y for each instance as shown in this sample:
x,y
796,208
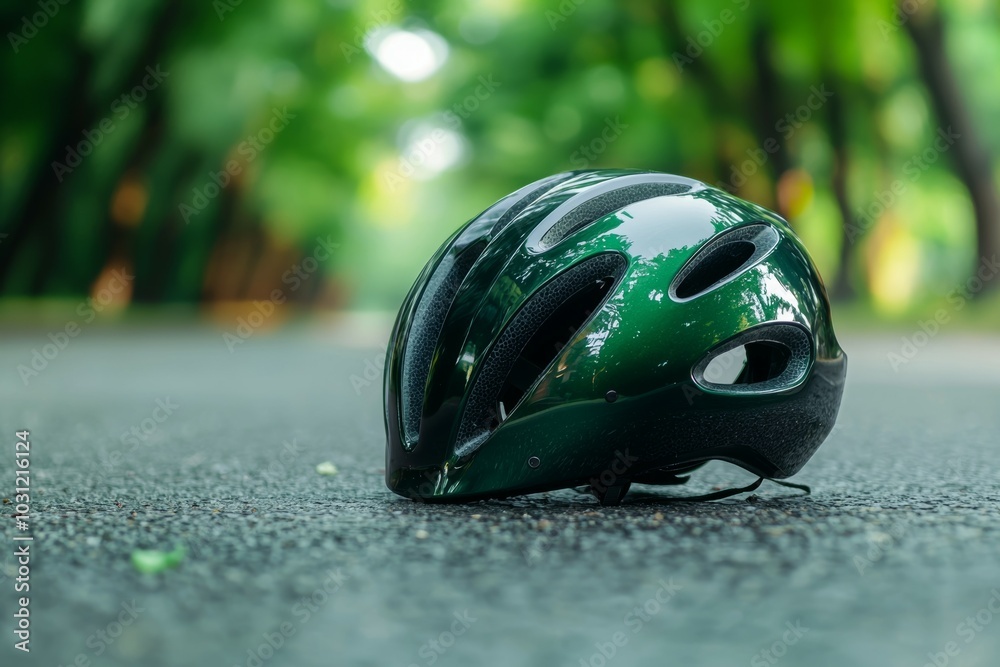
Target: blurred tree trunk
x,y
38,210
39,215
721,102
842,288
768,103
926,28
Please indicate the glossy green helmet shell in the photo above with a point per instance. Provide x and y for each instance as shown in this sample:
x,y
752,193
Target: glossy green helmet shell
x,y
607,327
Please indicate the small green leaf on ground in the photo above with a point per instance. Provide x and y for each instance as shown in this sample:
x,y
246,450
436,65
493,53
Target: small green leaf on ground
x,y
151,561
326,468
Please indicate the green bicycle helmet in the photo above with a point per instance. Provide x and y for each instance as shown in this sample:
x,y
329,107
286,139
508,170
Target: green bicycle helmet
x,y
608,327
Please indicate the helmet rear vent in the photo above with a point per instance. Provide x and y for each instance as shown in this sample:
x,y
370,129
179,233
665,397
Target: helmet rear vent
x,y
723,259
428,319
765,359
531,342
597,207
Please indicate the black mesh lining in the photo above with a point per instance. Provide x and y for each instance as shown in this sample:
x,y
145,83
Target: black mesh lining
x,y
548,340
480,407
543,186
596,208
428,318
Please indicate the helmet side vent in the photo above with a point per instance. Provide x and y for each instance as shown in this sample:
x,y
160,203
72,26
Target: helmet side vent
x,y
757,361
532,341
766,359
601,205
723,259
548,341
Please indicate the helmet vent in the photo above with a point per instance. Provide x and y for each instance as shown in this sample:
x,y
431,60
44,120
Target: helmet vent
x,y
428,319
723,259
758,361
531,342
594,209
764,359
548,341
536,190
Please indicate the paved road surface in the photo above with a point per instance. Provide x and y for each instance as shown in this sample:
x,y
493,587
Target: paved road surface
x,y
885,563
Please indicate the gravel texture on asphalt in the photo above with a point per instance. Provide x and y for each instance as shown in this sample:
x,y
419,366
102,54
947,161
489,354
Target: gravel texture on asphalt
x,y
890,559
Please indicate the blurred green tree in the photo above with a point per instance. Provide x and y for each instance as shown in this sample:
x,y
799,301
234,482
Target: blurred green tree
x,y
216,149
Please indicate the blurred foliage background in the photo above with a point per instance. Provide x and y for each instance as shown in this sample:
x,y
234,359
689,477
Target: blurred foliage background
x,y
223,149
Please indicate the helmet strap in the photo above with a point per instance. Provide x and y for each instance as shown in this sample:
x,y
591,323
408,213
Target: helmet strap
x,y
611,496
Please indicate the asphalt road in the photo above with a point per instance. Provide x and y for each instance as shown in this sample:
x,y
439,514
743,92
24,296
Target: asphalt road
x,y
891,559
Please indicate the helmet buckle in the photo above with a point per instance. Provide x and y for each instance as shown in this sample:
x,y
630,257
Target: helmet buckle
x,y
611,496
